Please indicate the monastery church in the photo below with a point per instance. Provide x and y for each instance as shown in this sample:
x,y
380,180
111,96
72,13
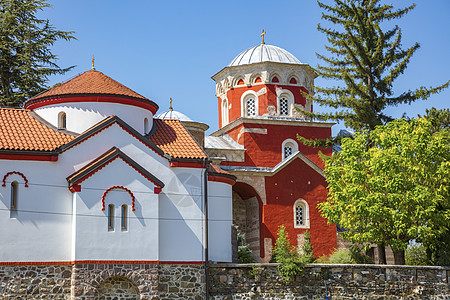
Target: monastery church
x,y
93,176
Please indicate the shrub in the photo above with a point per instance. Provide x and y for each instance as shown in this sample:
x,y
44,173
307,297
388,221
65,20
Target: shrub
x,y
342,256
307,248
244,251
416,255
287,256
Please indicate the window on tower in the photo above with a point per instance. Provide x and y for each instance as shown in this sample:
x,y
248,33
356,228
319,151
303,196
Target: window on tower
x,y
224,112
251,107
62,120
284,106
14,194
301,214
111,217
288,148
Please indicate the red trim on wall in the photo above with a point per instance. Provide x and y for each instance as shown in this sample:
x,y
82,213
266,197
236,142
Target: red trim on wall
x,y
184,164
141,262
221,179
157,190
15,172
20,156
110,99
75,188
122,188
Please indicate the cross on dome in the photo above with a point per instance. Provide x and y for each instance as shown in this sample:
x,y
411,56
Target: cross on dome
x,y
93,61
262,36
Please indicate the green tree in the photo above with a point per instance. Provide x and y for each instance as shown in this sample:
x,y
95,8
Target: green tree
x,y
307,249
440,118
286,255
364,60
26,61
391,185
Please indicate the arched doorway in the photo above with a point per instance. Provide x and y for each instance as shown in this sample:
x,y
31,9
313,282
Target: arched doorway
x,y
117,288
247,216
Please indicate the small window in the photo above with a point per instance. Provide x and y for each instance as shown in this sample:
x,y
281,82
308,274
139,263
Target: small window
x,y
14,194
145,125
301,218
293,81
251,107
288,150
224,112
124,217
275,79
111,217
284,106
62,120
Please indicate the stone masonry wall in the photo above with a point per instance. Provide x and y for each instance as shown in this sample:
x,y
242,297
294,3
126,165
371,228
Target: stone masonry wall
x,y
261,281
93,281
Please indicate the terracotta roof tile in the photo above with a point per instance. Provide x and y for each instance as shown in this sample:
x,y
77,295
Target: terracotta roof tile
x,y
90,82
19,130
174,139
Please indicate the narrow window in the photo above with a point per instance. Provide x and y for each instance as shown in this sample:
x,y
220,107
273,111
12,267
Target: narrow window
x,y
124,217
288,150
224,112
251,107
111,217
14,194
284,106
62,124
299,215
145,125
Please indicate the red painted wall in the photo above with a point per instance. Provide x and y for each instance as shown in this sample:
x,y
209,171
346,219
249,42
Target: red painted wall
x,y
264,150
282,190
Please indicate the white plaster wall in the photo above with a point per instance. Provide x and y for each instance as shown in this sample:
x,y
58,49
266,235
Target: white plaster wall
x,y
80,116
40,229
220,215
181,216
93,240
45,236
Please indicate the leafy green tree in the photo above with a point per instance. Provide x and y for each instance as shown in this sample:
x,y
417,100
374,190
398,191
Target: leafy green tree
x,y
26,61
364,60
391,185
244,251
307,249
440,118
286,255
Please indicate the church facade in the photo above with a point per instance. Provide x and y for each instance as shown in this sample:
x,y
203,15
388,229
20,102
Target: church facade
x,y
102,192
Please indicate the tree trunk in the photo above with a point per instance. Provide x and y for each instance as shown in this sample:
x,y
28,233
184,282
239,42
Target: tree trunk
x,y
399,257
381,254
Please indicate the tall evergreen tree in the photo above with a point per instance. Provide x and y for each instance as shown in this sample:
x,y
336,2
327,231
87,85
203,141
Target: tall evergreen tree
x,y
364,59
26,60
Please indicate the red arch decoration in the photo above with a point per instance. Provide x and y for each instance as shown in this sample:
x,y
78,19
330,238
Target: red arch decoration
x,y
15,172
122,188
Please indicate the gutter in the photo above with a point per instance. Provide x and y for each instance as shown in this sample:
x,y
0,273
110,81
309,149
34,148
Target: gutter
x,y
206,163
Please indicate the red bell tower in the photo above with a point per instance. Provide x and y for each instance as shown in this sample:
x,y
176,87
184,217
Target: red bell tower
x,y
280,181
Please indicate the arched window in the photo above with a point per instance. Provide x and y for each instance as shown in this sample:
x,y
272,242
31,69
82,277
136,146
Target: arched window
x,y
14,194
250,107
145,125
284,106
124,217
288,148
224,112
111,217
301,214
62,120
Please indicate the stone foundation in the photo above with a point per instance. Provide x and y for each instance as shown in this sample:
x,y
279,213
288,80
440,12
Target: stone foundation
x,y
261,281
102,281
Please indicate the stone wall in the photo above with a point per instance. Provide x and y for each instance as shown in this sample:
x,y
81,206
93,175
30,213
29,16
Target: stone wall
x,y
102,281
261,281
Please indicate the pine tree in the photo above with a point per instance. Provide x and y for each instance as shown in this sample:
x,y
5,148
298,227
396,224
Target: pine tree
x,y
364,59
26,61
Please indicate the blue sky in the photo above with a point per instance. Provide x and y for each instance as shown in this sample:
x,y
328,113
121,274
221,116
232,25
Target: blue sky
x,y
164,49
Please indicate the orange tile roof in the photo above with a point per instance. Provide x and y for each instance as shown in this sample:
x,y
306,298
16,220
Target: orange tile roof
x,y
19,130
212,168
90,82
174,139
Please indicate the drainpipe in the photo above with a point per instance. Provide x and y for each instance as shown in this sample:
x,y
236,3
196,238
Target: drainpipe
x,y
206,232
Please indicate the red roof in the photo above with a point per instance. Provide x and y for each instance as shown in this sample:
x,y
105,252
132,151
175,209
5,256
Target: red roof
x,y
174,139
19,130
90,82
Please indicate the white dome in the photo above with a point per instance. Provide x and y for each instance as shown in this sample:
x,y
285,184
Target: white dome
x,y
173,114
263,53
